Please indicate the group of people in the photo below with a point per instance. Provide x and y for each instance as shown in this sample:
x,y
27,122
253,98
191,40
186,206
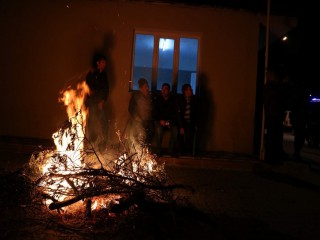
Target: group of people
x,y
151,116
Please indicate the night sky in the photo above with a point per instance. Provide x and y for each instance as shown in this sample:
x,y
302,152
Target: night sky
x,y
299,54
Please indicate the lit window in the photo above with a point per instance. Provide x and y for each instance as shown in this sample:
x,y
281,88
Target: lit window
x,y
188,62
143,55
163,58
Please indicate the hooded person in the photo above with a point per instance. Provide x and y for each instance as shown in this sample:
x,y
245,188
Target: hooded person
x,y
140,109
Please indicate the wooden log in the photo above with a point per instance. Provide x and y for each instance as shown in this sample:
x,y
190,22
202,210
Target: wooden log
x,y
57,205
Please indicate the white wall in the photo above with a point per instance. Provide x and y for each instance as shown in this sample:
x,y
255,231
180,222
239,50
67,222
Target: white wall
x,y
45,45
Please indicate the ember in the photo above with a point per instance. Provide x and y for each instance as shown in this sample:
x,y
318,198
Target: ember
x,y
76,173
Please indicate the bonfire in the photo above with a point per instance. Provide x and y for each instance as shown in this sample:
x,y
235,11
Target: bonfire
x,y
74,177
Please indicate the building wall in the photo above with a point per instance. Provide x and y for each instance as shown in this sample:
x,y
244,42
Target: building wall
x,y
47,45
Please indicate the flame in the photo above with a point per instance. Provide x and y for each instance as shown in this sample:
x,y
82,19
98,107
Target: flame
x,y
65,141
74,102
62,167
71,148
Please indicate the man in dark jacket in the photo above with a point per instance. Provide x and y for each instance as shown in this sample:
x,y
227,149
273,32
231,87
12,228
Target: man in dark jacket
x,y
166,115
274,102
187,107
98,84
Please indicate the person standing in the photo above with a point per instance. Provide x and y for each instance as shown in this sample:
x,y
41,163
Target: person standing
x,y
166,118
140,109
98,84
299,119
187,120
274,107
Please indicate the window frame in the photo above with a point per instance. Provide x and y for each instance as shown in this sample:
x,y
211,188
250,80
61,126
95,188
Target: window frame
x,y
170,35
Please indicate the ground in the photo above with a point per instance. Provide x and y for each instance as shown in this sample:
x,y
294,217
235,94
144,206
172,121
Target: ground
x,y
234,197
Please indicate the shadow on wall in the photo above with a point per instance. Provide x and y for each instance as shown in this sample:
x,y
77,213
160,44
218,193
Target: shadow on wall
x,y
206,115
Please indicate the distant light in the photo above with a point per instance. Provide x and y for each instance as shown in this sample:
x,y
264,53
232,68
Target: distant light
x,y
285,38
315,100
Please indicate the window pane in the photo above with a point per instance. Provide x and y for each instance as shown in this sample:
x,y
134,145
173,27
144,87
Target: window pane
x,y
165,62
143,55
188,61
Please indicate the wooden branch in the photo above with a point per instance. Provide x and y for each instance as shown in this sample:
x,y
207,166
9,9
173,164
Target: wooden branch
x,y
57,205
135,192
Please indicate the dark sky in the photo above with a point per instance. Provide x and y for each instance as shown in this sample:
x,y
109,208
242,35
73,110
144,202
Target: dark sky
x,y
277,7
300,53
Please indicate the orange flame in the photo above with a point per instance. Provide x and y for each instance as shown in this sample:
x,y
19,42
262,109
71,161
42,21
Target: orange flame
x,y
72,149
74,100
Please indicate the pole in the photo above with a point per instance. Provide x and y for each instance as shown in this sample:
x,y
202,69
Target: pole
x,y
262,148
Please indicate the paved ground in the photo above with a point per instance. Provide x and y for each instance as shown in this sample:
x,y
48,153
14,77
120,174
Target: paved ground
x,y
235,197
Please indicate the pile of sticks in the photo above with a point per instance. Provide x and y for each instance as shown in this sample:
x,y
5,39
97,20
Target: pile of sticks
x,y
133,174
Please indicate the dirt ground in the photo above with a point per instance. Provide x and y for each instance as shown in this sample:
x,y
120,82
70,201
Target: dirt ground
x,y
257,202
